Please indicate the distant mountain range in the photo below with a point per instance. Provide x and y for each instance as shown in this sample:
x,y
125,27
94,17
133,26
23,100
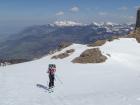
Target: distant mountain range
x,y
37,41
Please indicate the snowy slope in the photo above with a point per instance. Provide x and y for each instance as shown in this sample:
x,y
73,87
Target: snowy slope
x,y
115,82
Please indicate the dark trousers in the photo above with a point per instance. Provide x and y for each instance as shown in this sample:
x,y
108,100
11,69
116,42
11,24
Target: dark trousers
x,y
51,82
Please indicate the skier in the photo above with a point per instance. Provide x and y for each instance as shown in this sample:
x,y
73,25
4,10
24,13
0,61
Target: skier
x,y
51,72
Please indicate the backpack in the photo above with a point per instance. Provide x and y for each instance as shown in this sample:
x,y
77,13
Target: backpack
x,y
52,69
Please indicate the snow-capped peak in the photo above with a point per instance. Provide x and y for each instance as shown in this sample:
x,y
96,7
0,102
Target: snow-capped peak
x,y
108,23
97,24
104,23
67,23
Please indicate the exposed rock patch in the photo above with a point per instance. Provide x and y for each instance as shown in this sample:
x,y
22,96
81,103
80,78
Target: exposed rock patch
x,y
102,42
136,34
4,62
97,43
60,56
64,45
138,18
63,55
61,46
108,55
70,51
112,38
91,56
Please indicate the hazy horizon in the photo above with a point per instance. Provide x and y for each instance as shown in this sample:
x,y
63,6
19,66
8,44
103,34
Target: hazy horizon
x,y
17,14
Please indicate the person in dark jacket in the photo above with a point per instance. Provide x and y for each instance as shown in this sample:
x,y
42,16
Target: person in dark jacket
x,y
51,72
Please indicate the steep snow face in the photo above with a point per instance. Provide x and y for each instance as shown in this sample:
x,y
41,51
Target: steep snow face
x,y
115,82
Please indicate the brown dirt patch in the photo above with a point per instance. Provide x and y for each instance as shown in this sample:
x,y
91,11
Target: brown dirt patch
x,y
63,45
63,55
136,34
97,43
91,56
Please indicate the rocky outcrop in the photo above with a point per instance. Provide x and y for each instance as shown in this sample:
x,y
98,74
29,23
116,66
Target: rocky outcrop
x,y
70,51
63,55
97,43
138,19
64,45
60,56
90,56
136,34
4,62
61,46
102,42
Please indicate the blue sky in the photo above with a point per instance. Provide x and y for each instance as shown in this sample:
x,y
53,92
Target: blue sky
x,y
20,13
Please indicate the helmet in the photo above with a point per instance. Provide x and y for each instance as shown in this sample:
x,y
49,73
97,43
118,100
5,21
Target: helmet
x,y
52,65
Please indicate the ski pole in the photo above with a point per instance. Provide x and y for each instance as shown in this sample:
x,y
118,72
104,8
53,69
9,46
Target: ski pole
x,y
59,79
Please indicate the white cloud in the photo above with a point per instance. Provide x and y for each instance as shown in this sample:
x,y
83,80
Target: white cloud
x,y
103,13
131,17
124,8
74,9
60,13
137,7
128,18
